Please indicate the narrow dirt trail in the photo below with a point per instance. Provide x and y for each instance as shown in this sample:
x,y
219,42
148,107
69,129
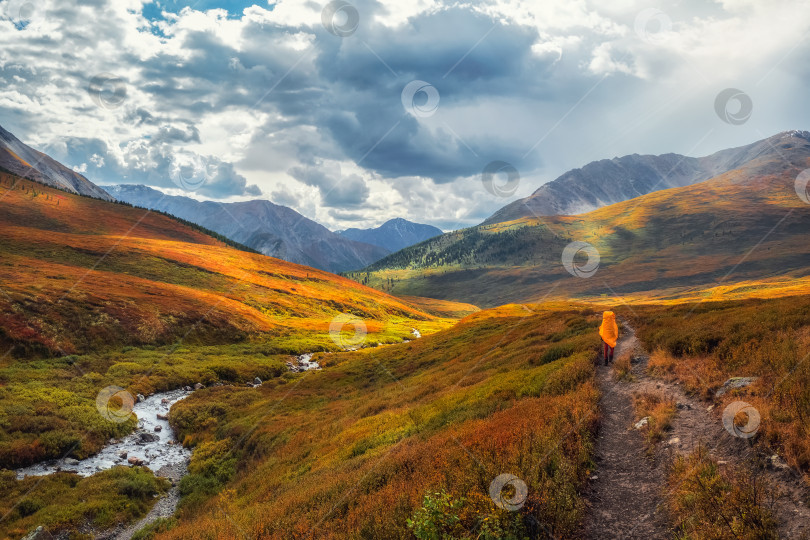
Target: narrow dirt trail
x,y
626,499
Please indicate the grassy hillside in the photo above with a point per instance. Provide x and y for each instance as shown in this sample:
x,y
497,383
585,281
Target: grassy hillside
x,y
705,344
351,452
746,225
94,294
80,274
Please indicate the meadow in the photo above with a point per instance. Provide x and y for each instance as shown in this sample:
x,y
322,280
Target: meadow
x,y
95,294
404,440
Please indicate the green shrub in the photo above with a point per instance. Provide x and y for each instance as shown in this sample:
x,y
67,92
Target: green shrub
x,y
555,352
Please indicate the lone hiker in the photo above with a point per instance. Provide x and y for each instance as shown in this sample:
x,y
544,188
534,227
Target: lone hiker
x,y
609,333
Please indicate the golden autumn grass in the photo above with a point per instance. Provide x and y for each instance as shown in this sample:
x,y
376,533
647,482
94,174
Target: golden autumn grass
x,y
710,502
352,450
149,304
622,368
703,345
659,410
65,501
81,274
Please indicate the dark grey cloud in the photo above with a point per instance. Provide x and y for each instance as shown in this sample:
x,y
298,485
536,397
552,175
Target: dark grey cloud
x,y
269,96
336,190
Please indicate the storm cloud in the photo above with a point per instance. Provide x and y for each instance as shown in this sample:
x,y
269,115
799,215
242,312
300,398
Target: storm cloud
x,y
399,116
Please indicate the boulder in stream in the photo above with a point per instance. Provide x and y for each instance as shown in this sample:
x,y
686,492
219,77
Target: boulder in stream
x,y
148,437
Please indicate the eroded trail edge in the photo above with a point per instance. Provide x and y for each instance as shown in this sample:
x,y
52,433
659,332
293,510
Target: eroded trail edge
x,y
626,498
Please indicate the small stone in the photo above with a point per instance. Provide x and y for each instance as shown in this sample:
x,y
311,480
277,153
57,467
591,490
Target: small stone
x,y
135,461
122,455
674,440
158,429
257,381
187,388
164,401
594,477
198,386
139,398
71,462
777,462
735,382
643,422
162,416
710,407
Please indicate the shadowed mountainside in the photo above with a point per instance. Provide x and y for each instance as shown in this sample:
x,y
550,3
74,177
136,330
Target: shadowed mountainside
x,y
394,234
22,160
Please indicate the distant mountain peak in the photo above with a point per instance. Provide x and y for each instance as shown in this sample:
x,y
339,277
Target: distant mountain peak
x,y
797,133
22,160
393,235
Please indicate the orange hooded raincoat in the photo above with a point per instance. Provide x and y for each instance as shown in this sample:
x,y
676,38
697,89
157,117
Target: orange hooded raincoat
x,y
609,331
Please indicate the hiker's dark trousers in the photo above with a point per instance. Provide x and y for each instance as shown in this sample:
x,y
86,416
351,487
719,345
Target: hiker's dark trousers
x,y
608,352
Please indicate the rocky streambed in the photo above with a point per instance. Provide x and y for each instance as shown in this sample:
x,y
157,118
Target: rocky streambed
x,y
153,444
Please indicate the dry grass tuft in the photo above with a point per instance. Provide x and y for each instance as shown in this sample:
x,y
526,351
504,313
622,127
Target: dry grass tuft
x,y
622,367
708,501
660,410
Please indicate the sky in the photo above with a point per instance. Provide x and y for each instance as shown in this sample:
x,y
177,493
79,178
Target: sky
x,y
353,112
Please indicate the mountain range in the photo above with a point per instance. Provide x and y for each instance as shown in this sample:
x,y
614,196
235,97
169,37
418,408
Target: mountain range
x,y
279,231
22,160
743,230
268,228
609,181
